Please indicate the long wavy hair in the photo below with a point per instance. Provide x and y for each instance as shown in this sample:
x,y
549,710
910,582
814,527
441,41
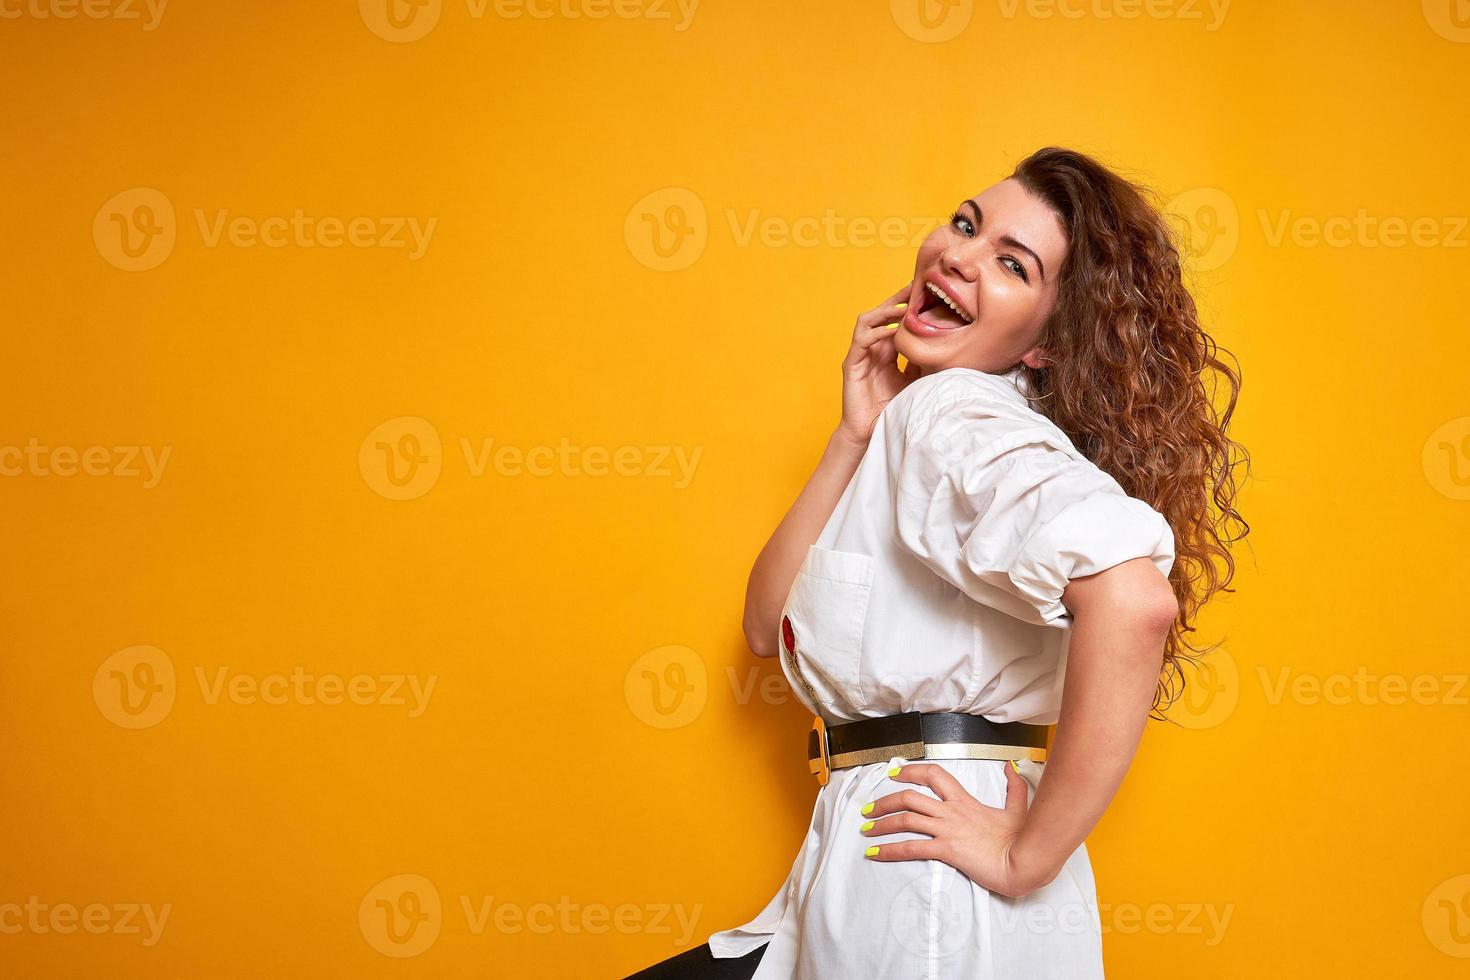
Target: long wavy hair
x,y
1127,377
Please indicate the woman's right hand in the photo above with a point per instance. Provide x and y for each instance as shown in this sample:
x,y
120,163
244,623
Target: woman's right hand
x,y
870,374
870,379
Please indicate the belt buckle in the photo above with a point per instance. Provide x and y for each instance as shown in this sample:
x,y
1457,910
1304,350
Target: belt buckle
x,y
821,766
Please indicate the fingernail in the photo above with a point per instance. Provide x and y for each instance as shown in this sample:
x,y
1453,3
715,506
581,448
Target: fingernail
x,y
902,305
1016,766
895,769
870,852
867,809
867,826
893,326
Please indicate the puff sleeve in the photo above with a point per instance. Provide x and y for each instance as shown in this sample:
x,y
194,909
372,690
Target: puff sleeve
x,y
996,500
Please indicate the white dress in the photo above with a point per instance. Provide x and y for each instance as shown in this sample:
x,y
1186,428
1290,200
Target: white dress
x,y
936,586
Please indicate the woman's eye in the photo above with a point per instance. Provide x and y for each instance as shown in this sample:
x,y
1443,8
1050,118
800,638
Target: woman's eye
x,y
961,222
1017,268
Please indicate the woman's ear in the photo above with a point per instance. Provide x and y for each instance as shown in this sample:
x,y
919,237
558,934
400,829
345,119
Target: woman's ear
x,y
1036,358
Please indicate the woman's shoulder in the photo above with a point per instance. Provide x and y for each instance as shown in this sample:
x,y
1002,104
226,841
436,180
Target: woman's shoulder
x,y
960,393
977,420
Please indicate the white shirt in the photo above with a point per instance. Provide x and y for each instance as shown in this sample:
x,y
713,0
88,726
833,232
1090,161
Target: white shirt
x,y
936,586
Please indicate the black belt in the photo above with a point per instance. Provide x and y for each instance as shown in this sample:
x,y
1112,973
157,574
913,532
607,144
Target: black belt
x,y
919,735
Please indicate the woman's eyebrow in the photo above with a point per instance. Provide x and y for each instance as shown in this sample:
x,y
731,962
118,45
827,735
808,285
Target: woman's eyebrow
x,y
1008,240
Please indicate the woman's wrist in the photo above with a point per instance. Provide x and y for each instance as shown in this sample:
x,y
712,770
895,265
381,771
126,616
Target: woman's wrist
x,y
1033,865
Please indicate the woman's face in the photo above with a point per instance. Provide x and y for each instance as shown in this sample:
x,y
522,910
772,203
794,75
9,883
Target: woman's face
x,y
998,260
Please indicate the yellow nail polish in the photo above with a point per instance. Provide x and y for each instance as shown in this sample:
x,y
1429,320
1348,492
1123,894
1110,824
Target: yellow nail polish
x,y
902,305
1016,766
867,809
868,825
894,771
871,851
893,326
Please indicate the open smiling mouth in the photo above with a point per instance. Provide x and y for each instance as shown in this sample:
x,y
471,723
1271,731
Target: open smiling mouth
x,y
939,311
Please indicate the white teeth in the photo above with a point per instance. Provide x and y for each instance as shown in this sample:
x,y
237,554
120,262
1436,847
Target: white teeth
x,y
949,302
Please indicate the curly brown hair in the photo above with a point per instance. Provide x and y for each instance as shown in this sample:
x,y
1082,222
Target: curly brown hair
x,y
1126,377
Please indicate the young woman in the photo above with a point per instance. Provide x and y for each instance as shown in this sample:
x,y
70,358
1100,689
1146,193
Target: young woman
x,y
1015,531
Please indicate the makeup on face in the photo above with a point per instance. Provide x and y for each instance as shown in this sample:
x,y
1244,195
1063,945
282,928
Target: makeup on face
x,y
984,282
939,310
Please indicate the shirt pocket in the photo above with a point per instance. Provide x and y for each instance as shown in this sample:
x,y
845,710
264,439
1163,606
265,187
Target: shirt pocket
x,y
823,622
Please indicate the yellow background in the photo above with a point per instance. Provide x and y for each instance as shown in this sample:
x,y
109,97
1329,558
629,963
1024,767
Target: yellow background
x,y
544,769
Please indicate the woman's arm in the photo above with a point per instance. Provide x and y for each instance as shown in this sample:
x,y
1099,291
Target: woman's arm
x,y
870,379
776,566
1121,617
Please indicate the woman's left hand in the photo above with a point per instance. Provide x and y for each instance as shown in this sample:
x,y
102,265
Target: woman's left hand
x,y
967,835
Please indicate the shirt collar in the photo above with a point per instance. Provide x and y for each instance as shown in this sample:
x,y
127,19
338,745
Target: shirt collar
x,y
1018,377
1015,377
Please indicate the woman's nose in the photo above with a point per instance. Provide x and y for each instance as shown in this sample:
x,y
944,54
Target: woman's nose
x,y
962,259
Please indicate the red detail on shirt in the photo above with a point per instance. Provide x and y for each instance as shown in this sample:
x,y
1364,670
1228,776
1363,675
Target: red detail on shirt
x,y
788,634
